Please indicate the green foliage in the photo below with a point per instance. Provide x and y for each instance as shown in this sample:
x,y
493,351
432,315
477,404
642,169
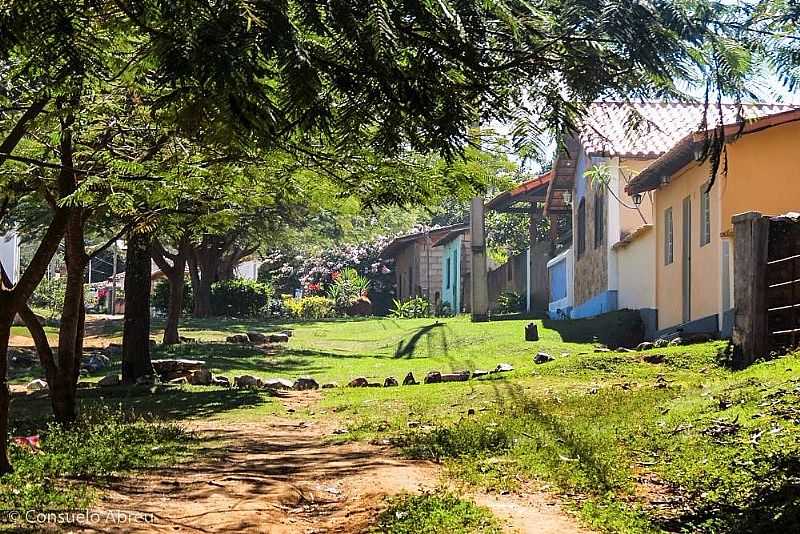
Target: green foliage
x,y
348,286
509,302
314,307
411,308
240,297
103,443
438,512
49,295
160,297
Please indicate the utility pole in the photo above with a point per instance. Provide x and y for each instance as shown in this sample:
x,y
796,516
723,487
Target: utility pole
x,y
479,278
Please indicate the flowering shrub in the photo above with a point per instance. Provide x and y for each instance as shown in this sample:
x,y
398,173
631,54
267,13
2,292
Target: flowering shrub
x,y
313,272
347,288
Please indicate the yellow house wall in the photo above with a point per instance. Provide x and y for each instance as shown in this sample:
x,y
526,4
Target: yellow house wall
x,y
705,267
763,174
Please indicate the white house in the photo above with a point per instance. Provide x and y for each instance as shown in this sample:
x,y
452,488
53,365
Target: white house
x,y
9,255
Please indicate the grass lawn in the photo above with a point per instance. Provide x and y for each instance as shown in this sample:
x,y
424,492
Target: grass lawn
x,y
679,444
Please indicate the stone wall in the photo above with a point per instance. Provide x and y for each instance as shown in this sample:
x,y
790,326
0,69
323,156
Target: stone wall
x,y
591,267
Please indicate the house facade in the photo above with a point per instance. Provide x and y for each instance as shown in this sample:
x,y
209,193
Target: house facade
x,y
417,263
9,255
693,236
456,260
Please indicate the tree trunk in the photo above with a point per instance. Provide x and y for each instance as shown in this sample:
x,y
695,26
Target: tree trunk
x,y
201,284
174,309
63,388
6,318
136,361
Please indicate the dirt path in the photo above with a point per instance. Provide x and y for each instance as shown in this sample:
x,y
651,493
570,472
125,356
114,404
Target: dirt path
x,y
282,476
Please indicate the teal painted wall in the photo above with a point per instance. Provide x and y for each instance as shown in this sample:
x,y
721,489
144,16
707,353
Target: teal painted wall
x,y
451,274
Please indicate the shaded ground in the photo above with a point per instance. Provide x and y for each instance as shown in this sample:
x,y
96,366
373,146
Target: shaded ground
x,y
284,476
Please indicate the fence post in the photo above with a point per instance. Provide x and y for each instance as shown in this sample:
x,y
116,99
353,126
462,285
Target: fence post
x,y
750,249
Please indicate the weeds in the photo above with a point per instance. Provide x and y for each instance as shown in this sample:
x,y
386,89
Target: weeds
x,y
436,513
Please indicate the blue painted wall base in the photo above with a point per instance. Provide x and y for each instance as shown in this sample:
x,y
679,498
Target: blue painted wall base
x,y
602,303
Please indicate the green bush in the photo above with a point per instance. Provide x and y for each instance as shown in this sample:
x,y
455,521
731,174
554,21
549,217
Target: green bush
x,y
160,297
49,295
101,444
240,297
309,307
436,513
411,308
509,302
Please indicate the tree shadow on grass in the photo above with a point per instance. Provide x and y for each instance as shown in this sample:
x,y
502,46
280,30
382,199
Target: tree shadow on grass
x,y
31,412
407,348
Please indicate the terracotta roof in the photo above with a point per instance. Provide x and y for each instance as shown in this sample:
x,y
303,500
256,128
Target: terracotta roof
x,y
646,130
451,235
399,243
630,237
517,194
683,151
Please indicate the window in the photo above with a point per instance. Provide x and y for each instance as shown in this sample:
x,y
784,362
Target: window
x,y
669,236
599,219
705,215
581,238
447,274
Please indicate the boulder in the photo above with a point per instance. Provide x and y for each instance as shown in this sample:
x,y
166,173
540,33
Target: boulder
x,y
461,376
358,382
677,341
247,381
238,338
179,381
201,377
279,383
654,358
660,343
362,306
390,382
36,385
305,383
374,385
288,333
114,349
542,357
503,368
477,373
96,362
645,346
409,380
183,339
256,337
278,338
433,377
109,380
162,367
330,385
221,381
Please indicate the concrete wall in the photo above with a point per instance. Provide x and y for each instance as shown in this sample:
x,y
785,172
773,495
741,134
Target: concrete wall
x,y
763,174
637,270
9,255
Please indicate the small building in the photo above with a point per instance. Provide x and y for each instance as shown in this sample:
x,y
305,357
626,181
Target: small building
x,y
527,274
9,255
692,242
417,263
456,260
